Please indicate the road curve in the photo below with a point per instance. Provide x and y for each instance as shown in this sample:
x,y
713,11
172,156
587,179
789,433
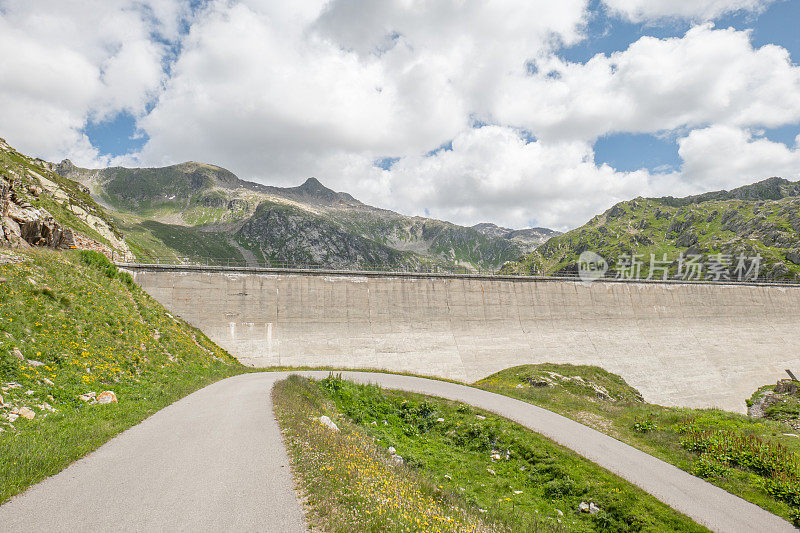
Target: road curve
x,y
215,461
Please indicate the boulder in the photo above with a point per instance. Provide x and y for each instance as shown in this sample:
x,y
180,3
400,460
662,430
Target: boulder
x,y
18,354
88,397
328,423
24,412
106,397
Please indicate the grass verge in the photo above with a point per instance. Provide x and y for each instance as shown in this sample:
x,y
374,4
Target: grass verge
x,y
72,324
472,469
757,460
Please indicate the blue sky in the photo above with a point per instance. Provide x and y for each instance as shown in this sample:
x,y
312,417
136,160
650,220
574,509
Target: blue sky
x,y
779,24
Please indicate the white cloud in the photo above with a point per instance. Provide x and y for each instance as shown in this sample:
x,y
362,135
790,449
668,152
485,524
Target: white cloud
x,y
272,88
641,10
725,157
66,62
278,91
706,77
494,173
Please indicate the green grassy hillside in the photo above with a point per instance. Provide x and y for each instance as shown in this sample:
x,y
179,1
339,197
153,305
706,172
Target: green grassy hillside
x,y
756,459
72,324
762,219
407,462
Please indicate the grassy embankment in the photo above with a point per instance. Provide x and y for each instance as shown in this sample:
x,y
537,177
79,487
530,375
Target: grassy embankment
x,y
464,469
751,458
93,330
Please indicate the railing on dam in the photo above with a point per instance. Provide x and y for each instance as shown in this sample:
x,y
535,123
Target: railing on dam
x,y
215,264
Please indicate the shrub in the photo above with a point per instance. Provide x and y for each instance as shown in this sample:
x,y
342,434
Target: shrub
x,y
644,426
708,466
102,264
561,487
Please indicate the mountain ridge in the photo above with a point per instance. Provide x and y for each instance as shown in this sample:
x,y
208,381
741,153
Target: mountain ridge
x,y
761,219
190,201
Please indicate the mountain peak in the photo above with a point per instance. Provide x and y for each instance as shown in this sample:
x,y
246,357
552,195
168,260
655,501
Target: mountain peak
x,y
312,188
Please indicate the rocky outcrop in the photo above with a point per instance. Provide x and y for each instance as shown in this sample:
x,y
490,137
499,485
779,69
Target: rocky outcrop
x,y
24,225
779,402
27,186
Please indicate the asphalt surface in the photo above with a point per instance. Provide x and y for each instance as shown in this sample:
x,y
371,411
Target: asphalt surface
x,y
214,461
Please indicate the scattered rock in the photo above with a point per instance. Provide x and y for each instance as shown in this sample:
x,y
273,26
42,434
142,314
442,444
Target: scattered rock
x,y
480,417
397,459
440,419
786,386
392,450
496,457
12,417
491,471
447,477
539,383
18,354
48,382
24,412
790,435
106,397
328,423
29,392
559,512
589,508
374,423
517,492
88,397
33,362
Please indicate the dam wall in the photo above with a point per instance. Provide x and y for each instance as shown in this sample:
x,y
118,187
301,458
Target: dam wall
x,y
680,344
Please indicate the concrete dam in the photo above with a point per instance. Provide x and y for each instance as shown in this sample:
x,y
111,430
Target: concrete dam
x,y
680,344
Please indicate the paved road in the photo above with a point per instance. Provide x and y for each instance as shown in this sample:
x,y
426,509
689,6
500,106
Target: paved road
x,y
215,461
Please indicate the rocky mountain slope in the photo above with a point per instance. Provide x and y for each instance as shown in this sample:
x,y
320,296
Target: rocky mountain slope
x,y
199,210
760,219
39,207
